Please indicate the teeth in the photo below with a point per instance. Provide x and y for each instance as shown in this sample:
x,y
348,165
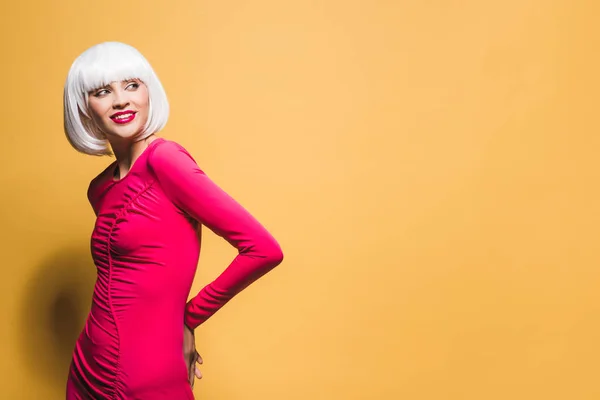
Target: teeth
x,y
123,116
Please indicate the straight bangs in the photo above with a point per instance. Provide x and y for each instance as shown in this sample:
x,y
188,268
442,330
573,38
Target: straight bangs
x,y
103,67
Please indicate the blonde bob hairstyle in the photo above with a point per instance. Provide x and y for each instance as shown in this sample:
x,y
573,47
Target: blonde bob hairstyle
x,y
96,67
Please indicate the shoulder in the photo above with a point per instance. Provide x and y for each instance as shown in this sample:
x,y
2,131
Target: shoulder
x,y
168,154
95,187
105,172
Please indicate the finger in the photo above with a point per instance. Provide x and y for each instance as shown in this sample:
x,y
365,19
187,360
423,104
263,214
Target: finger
x,y
189,359
191,370
199,360
198,374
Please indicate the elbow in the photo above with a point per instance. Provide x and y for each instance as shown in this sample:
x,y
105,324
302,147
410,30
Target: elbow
x,y
278,256
266,251
271,253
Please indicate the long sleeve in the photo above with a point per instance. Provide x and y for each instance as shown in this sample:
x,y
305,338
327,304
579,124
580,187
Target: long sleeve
x,y
191,190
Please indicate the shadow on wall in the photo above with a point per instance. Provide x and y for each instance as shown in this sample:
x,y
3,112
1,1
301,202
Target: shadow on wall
x,y
57,300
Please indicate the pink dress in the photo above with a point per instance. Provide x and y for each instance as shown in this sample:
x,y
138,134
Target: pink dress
x,y
146,245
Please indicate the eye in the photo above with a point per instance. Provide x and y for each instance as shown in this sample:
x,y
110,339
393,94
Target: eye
x,y
99,92
135,85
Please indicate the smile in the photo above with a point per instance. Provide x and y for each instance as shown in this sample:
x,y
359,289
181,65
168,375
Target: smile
x,y
123,117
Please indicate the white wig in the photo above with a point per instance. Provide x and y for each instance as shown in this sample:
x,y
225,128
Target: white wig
x,y
96,67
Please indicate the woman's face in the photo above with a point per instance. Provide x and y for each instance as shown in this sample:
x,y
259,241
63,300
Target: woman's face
x,y
120,109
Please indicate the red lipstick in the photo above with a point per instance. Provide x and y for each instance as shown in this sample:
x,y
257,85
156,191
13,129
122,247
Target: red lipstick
x,y
123,117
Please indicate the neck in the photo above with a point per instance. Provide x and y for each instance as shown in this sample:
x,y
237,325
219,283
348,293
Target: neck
x,y
126,152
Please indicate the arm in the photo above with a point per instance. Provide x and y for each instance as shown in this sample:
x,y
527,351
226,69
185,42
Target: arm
x,y
190,189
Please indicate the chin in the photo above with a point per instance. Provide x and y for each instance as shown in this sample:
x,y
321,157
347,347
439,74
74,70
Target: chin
x,y
124,135
126,132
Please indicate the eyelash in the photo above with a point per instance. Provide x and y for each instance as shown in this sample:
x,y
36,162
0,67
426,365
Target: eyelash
x,y
97,94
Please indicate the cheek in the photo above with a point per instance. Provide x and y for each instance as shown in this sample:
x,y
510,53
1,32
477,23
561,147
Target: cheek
x,y
143,98
96,110
146,102
144,105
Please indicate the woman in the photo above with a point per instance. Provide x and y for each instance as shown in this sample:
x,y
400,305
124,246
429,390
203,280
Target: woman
x,y
150,204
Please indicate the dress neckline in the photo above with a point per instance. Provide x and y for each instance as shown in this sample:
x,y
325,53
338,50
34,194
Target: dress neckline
x,y
114,165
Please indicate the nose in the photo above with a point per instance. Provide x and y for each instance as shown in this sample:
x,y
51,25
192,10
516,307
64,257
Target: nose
x,y
120,100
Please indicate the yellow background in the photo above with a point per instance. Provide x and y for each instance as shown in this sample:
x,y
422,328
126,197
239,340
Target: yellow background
x,y
429,168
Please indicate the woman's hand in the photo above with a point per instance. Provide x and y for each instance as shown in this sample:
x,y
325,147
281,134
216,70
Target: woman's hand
x,y
190,355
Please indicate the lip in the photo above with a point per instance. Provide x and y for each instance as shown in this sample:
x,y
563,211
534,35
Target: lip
x,y
126,120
